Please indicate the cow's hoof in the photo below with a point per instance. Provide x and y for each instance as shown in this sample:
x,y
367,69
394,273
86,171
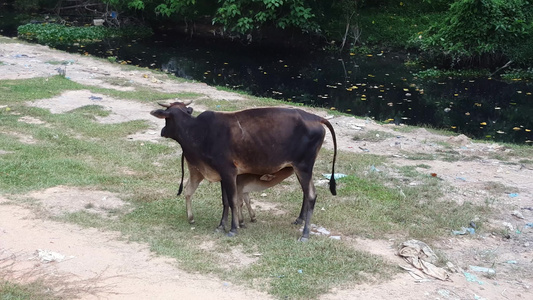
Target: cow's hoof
x,y
303,239
253,220
298,222
231,234
191,222
220,229
242,225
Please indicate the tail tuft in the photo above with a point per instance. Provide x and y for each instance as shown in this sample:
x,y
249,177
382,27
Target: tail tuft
x,y
333,185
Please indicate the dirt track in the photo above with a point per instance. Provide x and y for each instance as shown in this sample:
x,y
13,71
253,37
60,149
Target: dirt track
x,y
99,265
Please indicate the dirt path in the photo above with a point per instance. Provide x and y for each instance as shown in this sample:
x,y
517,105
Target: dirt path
x,y
99,265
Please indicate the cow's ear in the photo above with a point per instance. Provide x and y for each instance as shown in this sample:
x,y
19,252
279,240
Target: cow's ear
x,y
159,113
189,110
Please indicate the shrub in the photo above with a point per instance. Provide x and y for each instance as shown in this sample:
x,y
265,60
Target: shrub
x,y
54,34
480,32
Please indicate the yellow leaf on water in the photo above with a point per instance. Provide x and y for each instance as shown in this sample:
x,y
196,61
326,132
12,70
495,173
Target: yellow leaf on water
x,y
483,123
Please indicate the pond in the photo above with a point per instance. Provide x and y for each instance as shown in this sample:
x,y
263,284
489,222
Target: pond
x,y
377,85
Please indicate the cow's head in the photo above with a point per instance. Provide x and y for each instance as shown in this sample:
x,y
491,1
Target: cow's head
x,y
173,113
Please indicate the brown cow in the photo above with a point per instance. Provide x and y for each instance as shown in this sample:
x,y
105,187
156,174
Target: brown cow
x,y
256,141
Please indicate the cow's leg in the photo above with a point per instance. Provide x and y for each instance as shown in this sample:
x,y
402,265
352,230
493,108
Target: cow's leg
x,y
229,189
225,205
195,177
251,213
309,199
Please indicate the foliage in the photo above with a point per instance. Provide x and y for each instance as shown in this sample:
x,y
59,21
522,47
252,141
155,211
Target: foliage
x,y
62,34
518,74
245,16
482,31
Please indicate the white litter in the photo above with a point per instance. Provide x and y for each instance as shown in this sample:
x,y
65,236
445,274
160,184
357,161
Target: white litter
x,y
47,256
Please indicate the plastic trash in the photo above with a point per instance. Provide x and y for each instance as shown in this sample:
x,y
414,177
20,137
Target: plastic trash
x,y
47,256
96,98
482,270
464,231
512,262
513,195
529,225
518,214
374,169
337,176
472,278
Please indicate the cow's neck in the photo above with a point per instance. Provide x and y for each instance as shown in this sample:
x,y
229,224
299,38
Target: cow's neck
x,y
190,136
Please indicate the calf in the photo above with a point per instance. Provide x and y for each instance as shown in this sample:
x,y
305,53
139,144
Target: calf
x,y
246,183
257,141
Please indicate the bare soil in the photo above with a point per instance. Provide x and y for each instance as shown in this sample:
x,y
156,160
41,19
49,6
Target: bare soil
x,y
92,264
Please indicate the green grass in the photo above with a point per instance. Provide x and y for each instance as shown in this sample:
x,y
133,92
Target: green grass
x,y
372,136
32,291
72,149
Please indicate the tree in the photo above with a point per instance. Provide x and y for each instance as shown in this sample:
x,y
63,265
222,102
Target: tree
x,y
481,31
244,16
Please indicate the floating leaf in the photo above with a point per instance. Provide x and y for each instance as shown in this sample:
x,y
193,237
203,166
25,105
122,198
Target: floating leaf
x,y
483,123
516,128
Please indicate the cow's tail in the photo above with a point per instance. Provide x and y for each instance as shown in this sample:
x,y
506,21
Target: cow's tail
x,y
182,174
332,183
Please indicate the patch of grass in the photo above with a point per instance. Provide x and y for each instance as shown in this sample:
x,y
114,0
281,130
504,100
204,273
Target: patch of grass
x,y
372,136
419,156
14,91
423,166
58,62
31,291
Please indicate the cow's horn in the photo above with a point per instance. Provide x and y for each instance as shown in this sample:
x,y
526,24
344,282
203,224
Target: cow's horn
x,y
164,104
187,102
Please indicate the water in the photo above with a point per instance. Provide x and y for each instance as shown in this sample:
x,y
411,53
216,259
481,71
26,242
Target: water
x,y
378,86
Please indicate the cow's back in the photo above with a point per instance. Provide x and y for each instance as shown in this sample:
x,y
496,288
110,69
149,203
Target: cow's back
x,y
264,140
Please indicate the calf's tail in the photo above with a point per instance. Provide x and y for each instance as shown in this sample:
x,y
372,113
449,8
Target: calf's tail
x,y
332,183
